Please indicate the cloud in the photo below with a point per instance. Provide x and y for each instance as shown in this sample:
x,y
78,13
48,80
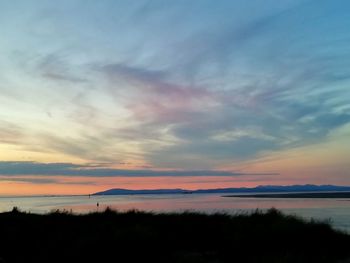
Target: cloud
x,y
269,112
69,169
24,179
151,82
55,66
10,133
153,96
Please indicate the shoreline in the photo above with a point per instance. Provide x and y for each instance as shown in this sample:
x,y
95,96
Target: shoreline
x,y
295,195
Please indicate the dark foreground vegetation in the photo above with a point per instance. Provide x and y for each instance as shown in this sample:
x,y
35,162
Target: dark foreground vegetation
x,y
188,237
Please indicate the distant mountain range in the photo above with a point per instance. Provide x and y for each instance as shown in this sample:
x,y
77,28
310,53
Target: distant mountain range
x,y
258,189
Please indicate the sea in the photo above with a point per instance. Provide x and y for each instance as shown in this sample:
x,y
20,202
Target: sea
x,y
336,211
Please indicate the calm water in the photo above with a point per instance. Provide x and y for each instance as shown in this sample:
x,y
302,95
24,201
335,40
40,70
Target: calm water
x,y
337,210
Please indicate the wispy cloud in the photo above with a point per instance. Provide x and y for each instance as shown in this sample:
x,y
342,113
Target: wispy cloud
x,y
153,96
151,83
53,67
10,133
69,169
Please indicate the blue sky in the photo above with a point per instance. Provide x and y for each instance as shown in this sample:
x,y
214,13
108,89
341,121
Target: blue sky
x,y
239,86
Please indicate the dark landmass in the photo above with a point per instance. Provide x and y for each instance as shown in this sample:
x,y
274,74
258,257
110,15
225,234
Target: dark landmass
x,y
297,195
119,191
175,237
258,189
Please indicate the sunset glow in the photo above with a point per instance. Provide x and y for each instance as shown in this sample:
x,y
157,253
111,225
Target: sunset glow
x,y
173,94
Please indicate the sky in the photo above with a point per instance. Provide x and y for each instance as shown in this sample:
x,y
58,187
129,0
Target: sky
x,y
173,94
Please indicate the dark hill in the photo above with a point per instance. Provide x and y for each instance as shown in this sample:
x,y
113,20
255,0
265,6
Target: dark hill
x,y
258,189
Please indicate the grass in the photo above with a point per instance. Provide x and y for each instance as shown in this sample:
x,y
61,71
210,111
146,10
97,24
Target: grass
x,y
136,236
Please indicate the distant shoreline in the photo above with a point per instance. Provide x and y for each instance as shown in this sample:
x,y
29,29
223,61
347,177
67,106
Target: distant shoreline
x,y
266,189
296,195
